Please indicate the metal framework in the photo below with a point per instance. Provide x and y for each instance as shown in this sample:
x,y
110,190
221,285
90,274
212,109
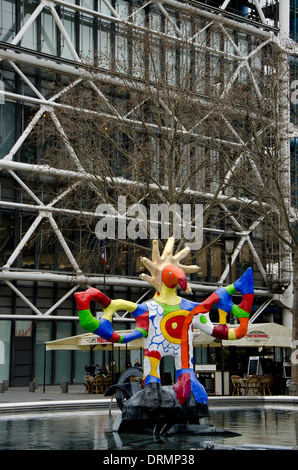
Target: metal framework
x,y
21,60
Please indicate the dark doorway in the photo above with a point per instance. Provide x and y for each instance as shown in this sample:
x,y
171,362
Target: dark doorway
x,y
23,361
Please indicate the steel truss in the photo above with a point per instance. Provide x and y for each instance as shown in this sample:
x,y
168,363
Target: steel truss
x,y
18,57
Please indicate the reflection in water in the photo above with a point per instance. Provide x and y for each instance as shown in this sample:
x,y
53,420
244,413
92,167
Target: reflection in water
x,y
93,431
276,426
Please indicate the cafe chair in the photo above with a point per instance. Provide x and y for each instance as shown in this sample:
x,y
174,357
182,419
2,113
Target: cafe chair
x,y
237,384
264,384
88,383
97,384
107,382
253,385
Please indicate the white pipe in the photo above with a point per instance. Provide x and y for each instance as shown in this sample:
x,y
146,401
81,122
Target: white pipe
x,y
260,310
64,244
225,4
24,240
260,11
54,317
45,64
284,23
64,33
65,90
21,183
88,11
82,73
65,139
28,23
198,11
46,210
257,259
234,256
61,300
45,169
84,280
24,135
64,193
49,209
26,80
37,317
165,13
135,12
241,26
284,17
111,8
55,66
43,102
23,298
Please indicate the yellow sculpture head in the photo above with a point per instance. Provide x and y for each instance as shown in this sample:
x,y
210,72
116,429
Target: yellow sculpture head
x,y
160,261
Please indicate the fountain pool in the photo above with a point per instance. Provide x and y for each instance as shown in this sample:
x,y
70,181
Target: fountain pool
x,y
92,430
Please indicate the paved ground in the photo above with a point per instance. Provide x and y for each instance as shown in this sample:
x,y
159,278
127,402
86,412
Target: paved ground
x,y
50,392
21,399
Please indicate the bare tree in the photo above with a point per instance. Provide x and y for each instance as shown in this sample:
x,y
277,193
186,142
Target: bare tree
x,y
263,171
145,134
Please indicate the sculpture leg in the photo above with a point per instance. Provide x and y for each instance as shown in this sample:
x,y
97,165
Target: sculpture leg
x,y
187,382
151,366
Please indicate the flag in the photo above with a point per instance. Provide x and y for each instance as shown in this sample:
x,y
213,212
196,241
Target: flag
x,y
103,253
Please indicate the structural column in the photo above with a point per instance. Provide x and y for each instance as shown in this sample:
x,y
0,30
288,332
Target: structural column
x,y
285,154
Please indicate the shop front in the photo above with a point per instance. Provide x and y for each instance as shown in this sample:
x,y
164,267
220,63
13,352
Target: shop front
x,y
265,350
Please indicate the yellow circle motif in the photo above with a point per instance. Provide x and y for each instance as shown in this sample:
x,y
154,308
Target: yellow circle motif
x,y
171,325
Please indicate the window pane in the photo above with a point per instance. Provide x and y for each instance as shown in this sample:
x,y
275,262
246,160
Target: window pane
x,y
102,7
7,127
82,358
5,350
23,328
243,46
139,16
43,334
121,52
104,44
7,20
30,37
87,4
122,9
63,358
155,23
68,19
86,37
48,34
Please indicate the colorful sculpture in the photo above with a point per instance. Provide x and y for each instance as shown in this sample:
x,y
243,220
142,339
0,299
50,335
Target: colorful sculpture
x,y
166,321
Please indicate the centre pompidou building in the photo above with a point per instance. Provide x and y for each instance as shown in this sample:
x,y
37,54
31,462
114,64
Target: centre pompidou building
x,y
110,108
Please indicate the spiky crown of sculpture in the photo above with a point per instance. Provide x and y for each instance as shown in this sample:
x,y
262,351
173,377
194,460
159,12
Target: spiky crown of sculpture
x,y
158,262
